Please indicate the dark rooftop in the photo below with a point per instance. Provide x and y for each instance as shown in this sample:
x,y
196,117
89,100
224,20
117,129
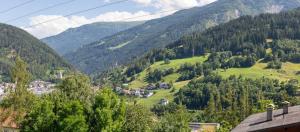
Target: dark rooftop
x,y
258,122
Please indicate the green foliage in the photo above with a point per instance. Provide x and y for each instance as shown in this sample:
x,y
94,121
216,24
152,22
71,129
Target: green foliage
x,y
167,61
224,127
156,75
174,122
63,110
58,112
50,116
19,98
274,65
234,98
138,119
41,118
262,105
161,110
108,112
71,118
20,75
286,50
76,87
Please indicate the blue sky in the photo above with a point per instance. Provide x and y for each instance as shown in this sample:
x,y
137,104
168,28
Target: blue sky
x,y
117,12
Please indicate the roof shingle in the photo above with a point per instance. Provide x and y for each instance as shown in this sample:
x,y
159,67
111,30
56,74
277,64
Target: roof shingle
x,y
258,122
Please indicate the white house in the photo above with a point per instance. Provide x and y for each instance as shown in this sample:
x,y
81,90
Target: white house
x,y
136,92
149,94
164,102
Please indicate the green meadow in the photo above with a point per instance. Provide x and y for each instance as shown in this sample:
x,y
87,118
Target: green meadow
x,y
287,72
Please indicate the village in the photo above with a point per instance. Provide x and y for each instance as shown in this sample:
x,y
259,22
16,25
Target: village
x,y
37,87
144,92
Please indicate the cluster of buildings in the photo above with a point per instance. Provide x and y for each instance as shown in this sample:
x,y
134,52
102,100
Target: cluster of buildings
x,y
4,89
145,92
37,87
158,86
142,93
164,102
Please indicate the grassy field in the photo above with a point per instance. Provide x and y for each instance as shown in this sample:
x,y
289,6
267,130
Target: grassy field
x,y
140,80
161,94
287,72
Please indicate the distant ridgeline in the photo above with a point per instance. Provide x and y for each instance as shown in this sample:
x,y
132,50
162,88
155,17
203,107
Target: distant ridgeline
x,y
125,46
74,38
41,59
269,38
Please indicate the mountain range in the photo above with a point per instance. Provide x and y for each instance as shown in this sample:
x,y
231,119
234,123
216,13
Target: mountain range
x,y
127,45
74,38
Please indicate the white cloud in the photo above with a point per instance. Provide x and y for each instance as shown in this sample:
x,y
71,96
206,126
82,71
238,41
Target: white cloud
x,y
144,2
173,4
205,2
60,25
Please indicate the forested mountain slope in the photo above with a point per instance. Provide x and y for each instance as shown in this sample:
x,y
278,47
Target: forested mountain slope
x,y
74,38
239,43
124,46
40,58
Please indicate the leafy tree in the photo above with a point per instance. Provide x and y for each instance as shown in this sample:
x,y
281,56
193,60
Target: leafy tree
x,y
155,76
47,116
175,122
167,61
274,64
41,118
225,127
76,87
262,105
138,119
20,75
19,99
71,117
161,110
108,112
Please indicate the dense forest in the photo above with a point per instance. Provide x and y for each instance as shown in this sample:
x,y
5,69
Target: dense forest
x,y
238,43
235,98
16,42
